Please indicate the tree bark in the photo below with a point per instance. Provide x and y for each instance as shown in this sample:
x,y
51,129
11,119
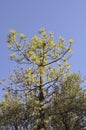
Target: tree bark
x,y
16,127
41,124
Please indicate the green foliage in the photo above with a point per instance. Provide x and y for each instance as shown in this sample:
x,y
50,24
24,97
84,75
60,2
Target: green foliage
x,y
69,105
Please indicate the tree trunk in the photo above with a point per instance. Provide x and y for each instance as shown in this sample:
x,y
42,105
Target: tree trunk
x,y
16,127
41,125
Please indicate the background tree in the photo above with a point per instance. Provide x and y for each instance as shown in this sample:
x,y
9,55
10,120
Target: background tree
x,y
68,105
11,112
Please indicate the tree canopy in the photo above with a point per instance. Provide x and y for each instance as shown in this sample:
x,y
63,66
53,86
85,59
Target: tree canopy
x,y
42,93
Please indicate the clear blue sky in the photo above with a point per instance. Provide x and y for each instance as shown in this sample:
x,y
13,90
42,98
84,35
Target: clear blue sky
x,y
63,17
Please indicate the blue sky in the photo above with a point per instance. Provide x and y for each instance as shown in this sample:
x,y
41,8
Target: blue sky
x,y
63,17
